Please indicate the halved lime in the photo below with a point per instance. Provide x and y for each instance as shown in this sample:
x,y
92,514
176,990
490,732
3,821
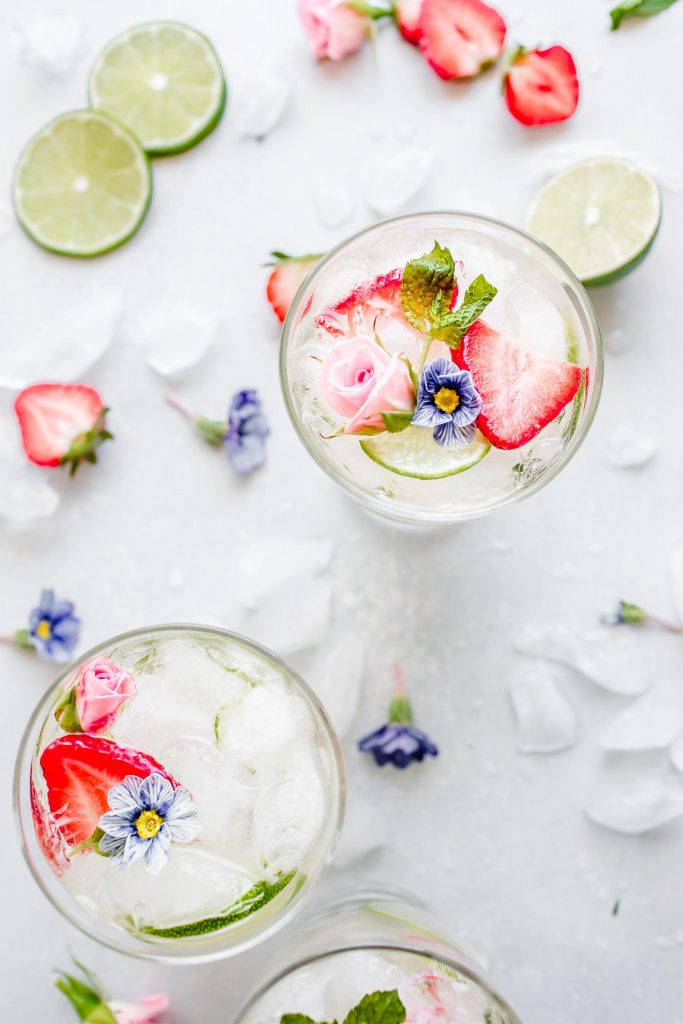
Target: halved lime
x,y
414,452
164,81
601,216
82,185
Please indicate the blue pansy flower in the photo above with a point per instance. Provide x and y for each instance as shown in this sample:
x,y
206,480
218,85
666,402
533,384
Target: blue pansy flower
x,y
398,742
448,401
146,816
53,628
246,432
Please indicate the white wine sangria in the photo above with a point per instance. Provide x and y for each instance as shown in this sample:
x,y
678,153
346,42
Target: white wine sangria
x,y
375,957
179,791
441,366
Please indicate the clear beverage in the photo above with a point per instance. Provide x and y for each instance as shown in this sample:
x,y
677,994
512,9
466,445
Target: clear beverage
x,y
370,944
540,307
200,744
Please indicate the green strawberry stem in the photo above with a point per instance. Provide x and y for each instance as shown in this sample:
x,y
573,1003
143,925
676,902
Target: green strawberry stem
x,y
84,447
400,710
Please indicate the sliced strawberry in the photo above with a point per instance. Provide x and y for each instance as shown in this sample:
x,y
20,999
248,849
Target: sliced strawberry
x,y
49,837
542,86
521,393
407,13
460,38
358,311
284,281
79,771
61,423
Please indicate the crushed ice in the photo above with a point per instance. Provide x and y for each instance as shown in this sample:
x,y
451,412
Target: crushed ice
x,y
632,800
51,42
653,722
546,720
626,448
397,178
273,563
332,201
260,101
676,578
173,340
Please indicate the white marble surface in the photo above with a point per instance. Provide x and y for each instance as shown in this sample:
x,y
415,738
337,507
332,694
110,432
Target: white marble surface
x,y
497,840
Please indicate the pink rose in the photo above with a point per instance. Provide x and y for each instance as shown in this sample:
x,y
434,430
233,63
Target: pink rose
x,y
101,689
359,379
429,999
145,1012
333,29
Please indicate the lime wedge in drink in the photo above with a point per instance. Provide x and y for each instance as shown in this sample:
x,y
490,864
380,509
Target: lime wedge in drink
x,y
601,216
414,452
163,80
82,185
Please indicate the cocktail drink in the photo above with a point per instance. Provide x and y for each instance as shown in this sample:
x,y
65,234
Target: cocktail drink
x,y
375,957
441,366
179,792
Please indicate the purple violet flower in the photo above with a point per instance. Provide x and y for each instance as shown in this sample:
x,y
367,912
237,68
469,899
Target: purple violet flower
x,y
246,432
398,742
53,629
448,401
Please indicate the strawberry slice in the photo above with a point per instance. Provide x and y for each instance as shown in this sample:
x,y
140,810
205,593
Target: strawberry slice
x,y
49,837
358,311
407,14
541,86
290,272
61,424
460,38
521,393
79,771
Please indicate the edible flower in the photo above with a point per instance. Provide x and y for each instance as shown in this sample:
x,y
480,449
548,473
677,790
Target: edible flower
x,y
53,629
146,816
92,704
448,401
627,614
92,1006
243,435
337,28
360,380
398,742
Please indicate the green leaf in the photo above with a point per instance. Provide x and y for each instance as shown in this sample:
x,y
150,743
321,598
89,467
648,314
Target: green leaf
x,y
296,1018
637,9
86,1000
22,638
413,376
378,1008
423,279
213,431
66,713
395,422
452,325
632,612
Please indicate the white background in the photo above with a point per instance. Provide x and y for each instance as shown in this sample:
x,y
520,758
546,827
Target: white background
x,y
496,840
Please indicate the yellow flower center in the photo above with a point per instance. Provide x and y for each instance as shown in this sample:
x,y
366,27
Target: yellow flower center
x,y
148,824
43,631
447,400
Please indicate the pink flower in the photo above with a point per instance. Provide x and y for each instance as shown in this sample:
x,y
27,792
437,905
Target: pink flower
x,y
145,1012
360,380
101,689
429,999
333,29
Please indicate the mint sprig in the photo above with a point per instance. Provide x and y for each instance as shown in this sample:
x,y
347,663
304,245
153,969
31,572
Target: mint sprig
x,y
637,9
451,325
376,1008
424,279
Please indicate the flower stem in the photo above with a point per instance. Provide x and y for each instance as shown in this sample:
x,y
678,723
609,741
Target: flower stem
x,y
665,624
425,352
400,711
181,407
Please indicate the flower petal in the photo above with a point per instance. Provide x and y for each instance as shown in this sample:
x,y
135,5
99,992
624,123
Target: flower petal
x,y
448,434
113,848
124,797
156,793
156,851
119,826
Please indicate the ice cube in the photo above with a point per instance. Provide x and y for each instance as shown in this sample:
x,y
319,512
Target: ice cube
x,y
337,676
332,200
173,340
275,626
676,753
547,721
676,577
51,42
651,723
260,727
626,448
260,101
65,349
360,973
397,178
270,563
632,800
610,657
24,495
288,817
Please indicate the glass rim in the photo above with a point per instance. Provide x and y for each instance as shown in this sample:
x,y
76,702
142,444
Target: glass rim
x,y
371,501
158,953
390,947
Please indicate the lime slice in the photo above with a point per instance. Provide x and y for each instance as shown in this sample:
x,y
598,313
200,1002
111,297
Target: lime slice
x,y
162,80
601,216
414,452
82,185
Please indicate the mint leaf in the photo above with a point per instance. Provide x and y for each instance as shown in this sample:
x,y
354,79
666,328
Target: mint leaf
x,y
296,1018
451,326
378,1008
423,279
637,9
395,422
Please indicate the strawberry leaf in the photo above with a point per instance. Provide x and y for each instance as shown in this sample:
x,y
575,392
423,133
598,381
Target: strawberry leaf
x,y
637,9
423,279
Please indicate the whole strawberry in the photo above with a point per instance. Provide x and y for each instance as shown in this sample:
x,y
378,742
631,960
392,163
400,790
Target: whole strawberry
x,y
541,86
61,424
